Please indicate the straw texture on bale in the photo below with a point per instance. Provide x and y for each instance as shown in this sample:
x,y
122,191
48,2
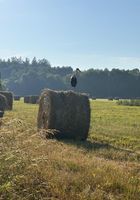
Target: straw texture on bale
x,y
9,97
67,112
3,103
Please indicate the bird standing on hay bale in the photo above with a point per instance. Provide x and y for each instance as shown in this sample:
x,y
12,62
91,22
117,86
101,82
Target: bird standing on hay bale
x,y
74,78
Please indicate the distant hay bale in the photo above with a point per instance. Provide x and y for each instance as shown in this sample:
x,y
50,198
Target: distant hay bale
x,y
66,112
34,99
110,98
27,99
129,102
17,98
9,97
116,98
3,103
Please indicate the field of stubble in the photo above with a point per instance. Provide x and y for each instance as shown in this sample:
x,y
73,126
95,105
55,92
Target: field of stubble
x,y
105,167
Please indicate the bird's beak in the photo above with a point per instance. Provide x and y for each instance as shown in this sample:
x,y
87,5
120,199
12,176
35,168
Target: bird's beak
x,y
78,70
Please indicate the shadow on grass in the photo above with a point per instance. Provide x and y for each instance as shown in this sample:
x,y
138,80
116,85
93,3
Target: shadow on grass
x,y
91,145
108,151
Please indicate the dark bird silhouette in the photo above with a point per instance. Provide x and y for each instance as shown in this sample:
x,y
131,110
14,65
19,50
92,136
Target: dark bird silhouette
x,y
74,78
73,81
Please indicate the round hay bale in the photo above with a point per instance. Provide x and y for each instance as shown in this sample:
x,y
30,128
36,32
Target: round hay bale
x,y
27,99
67,112
110,98
17,98
3,103
9,97
34,99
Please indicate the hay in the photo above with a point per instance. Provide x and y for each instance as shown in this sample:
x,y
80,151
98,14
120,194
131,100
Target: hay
x,y
34,99
110,99
49,133
67,112
17,98
27,99
9,97
3,102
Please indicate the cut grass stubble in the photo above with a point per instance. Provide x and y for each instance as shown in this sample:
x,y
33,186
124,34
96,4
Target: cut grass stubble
x,y
104,167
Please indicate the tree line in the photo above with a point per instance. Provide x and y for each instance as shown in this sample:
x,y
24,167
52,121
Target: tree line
x,y
30,77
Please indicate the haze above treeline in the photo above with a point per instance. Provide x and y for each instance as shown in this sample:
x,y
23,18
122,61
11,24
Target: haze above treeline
x,y
30,77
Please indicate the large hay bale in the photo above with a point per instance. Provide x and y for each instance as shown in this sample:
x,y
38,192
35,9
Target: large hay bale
x,y
3,102
66,112
9,97
34,99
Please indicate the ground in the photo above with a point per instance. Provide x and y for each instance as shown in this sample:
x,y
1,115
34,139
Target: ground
x,y
105,167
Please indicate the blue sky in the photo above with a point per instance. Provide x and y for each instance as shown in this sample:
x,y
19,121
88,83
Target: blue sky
x,y
77,33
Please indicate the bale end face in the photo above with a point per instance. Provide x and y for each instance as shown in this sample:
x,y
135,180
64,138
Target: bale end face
x,y
9,97
67,112
3,103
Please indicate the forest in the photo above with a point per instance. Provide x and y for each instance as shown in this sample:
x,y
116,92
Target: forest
x,y
30,77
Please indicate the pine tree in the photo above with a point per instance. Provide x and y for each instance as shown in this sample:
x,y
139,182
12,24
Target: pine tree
x,y
0,82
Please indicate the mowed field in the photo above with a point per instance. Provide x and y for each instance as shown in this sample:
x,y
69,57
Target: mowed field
x,y
105,167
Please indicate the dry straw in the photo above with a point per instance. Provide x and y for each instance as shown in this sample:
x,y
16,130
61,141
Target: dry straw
x,y
68,112
9,97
